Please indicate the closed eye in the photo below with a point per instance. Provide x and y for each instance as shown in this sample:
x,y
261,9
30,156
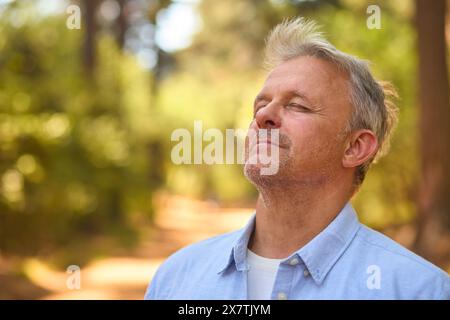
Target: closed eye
x,y
298,107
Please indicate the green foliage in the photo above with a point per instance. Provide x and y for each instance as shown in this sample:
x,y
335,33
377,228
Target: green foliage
x,y
79,154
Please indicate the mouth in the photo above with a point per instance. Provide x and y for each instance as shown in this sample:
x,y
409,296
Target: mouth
x,y
267,142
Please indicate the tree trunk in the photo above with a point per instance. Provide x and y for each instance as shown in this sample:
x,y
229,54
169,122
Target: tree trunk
x,y
122,24
89,13
433,201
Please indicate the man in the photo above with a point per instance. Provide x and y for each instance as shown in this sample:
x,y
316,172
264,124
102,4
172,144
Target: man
x,y
305,242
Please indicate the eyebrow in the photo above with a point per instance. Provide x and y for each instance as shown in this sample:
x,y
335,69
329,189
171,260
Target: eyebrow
x,y
294,93
259,98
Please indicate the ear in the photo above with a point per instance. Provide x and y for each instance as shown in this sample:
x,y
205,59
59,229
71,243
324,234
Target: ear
x,y
361,146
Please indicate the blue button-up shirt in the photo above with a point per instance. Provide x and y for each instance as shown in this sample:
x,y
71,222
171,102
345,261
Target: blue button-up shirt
x,y
347,260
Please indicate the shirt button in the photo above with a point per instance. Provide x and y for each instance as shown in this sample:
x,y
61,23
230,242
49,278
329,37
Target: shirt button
x,y
294,262
282,296
306,273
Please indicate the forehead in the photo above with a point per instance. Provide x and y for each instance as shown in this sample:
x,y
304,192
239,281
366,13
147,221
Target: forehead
x,y
319,79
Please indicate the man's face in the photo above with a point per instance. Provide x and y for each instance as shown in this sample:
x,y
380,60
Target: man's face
x,y
308,100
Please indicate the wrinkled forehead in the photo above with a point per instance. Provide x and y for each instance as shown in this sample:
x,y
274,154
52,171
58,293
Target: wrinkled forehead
x,y
318,78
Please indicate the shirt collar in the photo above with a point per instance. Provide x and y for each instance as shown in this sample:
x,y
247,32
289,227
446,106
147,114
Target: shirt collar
x,y
319,255
238,252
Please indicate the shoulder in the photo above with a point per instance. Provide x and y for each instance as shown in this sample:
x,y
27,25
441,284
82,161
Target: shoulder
x,y
195,260
403,268
200,250
388,248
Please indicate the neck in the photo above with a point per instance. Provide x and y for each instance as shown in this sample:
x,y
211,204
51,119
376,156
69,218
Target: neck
x,y
288,218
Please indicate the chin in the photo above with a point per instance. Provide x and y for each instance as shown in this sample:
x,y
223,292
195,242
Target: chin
x,y
253,173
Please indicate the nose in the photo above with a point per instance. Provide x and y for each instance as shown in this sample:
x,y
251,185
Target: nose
x,y
268,117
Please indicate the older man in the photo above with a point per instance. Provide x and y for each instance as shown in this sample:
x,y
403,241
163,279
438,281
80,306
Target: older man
x,y
305,242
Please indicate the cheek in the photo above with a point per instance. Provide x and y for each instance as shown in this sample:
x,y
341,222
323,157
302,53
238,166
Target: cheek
x,y
304,133
311,139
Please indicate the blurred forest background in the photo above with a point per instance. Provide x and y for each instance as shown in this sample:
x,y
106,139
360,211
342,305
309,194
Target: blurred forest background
x,y
86,117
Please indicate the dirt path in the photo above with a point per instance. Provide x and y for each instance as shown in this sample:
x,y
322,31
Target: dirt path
x,y
180,222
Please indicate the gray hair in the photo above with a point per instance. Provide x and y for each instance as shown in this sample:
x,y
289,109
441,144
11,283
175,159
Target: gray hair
x,y
373,108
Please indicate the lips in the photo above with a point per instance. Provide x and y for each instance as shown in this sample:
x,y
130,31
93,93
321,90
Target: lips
x,y
266,142
263,138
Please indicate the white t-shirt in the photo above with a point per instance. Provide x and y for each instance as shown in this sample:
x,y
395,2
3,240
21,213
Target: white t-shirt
x,y
261,276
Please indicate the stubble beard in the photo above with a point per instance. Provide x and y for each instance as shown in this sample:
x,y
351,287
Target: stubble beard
x,y
253,173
